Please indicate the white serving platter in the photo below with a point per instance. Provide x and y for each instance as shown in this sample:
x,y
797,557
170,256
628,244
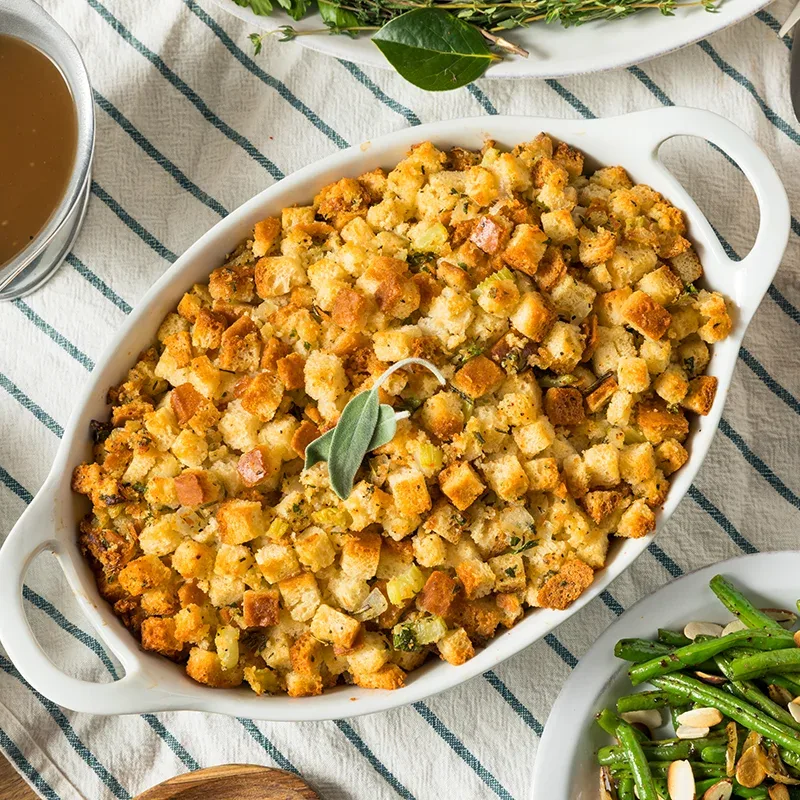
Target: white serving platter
x,y
152,683
555,52
565,761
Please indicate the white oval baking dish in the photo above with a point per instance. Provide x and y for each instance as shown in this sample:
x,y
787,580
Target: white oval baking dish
x,y
152,683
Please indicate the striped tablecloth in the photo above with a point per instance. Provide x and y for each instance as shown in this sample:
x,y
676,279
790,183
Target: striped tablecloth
x,y
189,125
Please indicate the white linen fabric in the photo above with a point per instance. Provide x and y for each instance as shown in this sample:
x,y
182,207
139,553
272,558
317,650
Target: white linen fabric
x,y
189,125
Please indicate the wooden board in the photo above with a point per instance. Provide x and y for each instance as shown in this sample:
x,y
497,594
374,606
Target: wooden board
x,y
232,782
12,787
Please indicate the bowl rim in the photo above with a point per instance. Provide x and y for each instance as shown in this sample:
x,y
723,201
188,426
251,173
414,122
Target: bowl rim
x,y
66,56
150,683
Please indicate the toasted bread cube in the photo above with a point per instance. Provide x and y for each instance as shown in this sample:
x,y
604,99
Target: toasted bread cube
x,y
429,549
298,685
461,484
443,415
687,265
455,647
277,562
700,396
204,667
190,448
490,234
366,505
193,560
523,407
409,491
506,477
509,571
576,475
609,306
543,475
265,233
263,395
143,573
562,348
190,624
534,316
278,275
641,312
476,576
239,428
653,491
291,371
389,677
258,466
398,296
208,329
559,226
304,654
656,355
633,375
395,344
330,625
662,284
637,521
162,425
301,596
233,560
306,433
446,521
637,462
351,309
596,247
620,408
195,488
240,521
479,376
564,406
314,549
532,439
161,537
671,455
189,306
600,505
158,634
370,655
361,555
240,350
602,461
438,594
206,378
658,423
672,385
233,283
601,394
261,608
225,590
573,300
526,248
566,586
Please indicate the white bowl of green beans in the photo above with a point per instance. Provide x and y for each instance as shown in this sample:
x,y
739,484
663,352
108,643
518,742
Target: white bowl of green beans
x,y
747,670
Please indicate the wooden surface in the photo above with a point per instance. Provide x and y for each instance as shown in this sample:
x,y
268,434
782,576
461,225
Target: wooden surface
x,y
12,787
231,782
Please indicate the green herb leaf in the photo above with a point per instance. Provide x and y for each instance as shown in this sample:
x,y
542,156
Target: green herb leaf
x,y
350,442
320,448
261,7
433,49
296,9
335,17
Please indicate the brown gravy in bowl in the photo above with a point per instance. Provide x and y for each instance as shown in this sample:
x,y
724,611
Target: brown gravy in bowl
x,y
38,142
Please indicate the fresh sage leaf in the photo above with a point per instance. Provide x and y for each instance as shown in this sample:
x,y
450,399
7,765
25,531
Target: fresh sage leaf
x,y
335,17
319,449
350,442
433,49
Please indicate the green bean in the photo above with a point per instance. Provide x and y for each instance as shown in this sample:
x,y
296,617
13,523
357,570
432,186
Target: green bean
x,y
655,751
625,789
787,682
697,652
784,660
750,692
701,787
673,638
642,777
757,793
643,701
608,721
738,710
714,754
676,711
739,605
638,650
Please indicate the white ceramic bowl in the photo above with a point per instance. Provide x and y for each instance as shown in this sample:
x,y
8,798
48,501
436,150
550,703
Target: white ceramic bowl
x,y
555,51
565,761
152,683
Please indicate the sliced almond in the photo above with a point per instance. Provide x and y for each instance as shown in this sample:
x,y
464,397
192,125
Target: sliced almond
x,y
607,791
796,638
750,771
721,790
714,680
732,733
695,629
680,781
651,718
732,627
700,718
779,695
778,792
782,615
688,732
794,709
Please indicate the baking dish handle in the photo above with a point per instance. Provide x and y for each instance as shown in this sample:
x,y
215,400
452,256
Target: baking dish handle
x,y
32,535
754,273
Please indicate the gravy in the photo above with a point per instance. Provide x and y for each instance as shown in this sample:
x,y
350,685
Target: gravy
x,y
38,141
